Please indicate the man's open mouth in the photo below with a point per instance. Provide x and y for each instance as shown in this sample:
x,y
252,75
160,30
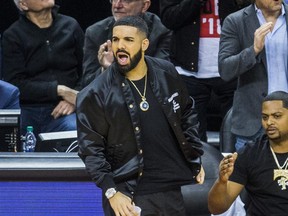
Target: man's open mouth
x,y
122,58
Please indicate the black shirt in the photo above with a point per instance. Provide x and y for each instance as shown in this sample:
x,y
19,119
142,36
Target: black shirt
x,y
254,168
165,167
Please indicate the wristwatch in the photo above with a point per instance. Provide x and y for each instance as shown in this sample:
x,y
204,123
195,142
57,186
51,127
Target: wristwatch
x,y
110,192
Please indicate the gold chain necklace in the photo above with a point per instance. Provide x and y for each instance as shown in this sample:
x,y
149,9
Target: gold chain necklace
x,y
280,172
144,105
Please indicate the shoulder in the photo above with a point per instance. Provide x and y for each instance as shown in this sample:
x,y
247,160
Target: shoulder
x,y
67,21
248,10
105,23
161,66
101,85
157,62
255,149
14,27
151,17
153,21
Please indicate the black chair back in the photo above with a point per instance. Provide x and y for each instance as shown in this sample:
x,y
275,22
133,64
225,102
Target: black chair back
x,y
226,138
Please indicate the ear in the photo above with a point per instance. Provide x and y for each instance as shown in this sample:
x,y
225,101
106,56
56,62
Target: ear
x,y
23,5
146,5
145,44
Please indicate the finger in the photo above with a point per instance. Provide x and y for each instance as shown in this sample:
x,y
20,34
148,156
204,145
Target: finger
x,y
55,115
109,46
235,155
54,112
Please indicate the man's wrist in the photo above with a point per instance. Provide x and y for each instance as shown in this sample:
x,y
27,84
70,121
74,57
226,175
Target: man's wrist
x,y
110,192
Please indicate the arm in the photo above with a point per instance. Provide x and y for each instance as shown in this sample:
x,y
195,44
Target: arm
x,y
231,51
190,123
91,64
12,99
92,129
17,74
224,192
177,13
79,43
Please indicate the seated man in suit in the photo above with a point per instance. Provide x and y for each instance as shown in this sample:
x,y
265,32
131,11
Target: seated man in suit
x,y
9,96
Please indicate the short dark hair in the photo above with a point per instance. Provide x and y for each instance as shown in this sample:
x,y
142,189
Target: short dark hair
x,y
134,21
278,95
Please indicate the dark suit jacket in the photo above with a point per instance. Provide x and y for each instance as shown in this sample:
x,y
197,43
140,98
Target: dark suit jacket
x,y
237,60
9,96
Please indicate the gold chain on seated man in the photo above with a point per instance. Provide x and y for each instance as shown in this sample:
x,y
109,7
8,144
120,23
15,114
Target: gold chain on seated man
x,y
280,172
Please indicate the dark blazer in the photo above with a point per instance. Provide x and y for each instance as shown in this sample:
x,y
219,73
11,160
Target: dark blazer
x,y
9,96
237,60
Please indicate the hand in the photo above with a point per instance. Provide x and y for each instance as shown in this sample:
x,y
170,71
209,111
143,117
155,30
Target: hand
x,y
259,36
63,108
226,167
67,94
122,205
105,54
201,176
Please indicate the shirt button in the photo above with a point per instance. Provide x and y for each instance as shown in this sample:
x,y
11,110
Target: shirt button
x,y
123,84
192,43
140,174
183,143
137,128
131,106
140,151
194,23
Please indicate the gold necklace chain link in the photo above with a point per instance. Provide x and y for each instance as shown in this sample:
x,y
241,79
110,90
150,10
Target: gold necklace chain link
x,y
145,86
285,164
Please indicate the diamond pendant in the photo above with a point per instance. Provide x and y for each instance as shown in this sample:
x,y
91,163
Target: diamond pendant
x,y
144,105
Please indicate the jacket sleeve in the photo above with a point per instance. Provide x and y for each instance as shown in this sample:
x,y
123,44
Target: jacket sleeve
x,y
187,134
91,65
233,58
14,99
91,130
79,42
14,71
190,126
178,13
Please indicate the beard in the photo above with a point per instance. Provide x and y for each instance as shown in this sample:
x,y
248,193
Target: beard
x,y
133,62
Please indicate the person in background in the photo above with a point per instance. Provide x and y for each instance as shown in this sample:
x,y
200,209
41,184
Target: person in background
x,y
97,47
253,49
194,52
9,96
260,167
42,56
137,129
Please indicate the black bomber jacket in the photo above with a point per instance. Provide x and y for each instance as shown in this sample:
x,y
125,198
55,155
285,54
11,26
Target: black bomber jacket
x,y
109,130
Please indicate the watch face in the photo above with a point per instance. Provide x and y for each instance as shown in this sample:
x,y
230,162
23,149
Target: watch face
x,y
110,193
